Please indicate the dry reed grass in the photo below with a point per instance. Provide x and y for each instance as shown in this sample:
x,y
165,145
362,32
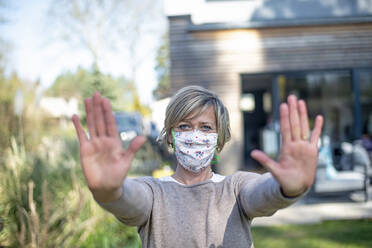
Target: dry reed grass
x,y
45,222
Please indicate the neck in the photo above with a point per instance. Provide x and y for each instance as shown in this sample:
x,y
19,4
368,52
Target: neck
x,y
188,178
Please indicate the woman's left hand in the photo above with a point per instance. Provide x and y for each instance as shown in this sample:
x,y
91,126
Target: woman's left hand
x,y
295,170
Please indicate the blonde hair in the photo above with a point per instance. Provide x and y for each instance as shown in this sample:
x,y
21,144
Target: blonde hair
x,y
186,101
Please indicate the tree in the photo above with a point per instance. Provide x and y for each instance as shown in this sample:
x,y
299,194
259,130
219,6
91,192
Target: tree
x,y
104,27
13,125
83,83
4,44
2,6
162,69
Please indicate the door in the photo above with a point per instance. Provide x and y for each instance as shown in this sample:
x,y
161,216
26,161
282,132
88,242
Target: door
x,y
254,123
256,106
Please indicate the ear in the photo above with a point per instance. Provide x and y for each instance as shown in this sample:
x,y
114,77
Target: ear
x,y
170,139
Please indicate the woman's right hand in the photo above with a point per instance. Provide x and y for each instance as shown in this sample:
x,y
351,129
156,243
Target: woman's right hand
x,y
104,162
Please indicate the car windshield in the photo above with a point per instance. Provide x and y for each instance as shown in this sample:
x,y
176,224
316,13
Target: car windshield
x,y
126,121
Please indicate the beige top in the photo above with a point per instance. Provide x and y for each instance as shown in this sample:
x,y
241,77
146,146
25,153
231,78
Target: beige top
x,y
215,213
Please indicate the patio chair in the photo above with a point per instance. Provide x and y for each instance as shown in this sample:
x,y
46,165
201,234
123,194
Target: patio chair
x,y
360,159
330,181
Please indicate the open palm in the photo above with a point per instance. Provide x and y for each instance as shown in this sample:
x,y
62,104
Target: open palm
x,y
296,167
104,162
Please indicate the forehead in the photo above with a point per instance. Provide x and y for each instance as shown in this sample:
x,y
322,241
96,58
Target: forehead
x,y
208,115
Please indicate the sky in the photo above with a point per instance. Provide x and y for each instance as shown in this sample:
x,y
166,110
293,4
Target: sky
x,y
35,55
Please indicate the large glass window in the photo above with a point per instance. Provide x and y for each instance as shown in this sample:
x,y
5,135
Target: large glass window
x,y
365,86
328,93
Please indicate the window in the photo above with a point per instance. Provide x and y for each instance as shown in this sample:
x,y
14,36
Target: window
x,y
365,88
328,93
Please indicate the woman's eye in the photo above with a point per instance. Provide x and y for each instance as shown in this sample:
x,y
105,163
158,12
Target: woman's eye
x,y
183,126
206,128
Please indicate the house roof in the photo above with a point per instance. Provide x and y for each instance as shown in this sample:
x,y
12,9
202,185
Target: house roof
x,y
273,23
280,23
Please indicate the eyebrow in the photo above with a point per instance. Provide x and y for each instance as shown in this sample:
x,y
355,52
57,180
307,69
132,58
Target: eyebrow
x,y
203,122
186,120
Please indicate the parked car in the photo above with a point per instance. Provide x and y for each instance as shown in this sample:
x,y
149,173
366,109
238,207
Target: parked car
x,y
129,125
152,155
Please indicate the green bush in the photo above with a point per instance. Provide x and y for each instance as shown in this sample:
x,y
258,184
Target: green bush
x,y
44,202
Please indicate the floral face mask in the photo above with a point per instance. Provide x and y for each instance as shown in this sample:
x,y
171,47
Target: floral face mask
x,y
194,149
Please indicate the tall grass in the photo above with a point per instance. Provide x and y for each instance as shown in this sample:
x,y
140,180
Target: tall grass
x,y
34,214
44,201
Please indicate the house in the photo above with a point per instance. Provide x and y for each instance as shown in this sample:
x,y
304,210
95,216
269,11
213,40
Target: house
x,y
59,107
254,53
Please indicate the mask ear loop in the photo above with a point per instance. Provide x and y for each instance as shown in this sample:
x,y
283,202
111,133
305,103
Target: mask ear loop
x,y
216,158
173,139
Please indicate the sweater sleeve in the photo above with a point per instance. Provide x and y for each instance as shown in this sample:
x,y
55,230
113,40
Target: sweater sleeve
x,y
135,204
260,195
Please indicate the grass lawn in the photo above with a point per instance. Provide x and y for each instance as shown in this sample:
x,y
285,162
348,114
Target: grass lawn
x,y
329,234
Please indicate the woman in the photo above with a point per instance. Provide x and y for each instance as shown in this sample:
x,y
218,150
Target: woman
x,y
195,207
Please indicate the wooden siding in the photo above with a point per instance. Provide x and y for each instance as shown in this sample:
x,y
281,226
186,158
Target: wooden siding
x,y
216,59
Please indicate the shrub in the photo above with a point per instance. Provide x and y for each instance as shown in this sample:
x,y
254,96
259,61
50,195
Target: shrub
x,y
44,202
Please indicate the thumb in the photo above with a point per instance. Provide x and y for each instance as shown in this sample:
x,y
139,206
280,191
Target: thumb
x,y
264,160
135,144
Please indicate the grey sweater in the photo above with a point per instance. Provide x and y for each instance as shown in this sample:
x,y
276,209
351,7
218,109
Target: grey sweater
x,y
208,214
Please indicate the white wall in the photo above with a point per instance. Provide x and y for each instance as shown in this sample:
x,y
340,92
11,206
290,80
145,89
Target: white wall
x,y
207,12
59,107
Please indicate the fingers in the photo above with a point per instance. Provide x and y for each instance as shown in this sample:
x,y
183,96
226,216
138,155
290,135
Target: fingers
x,y
134,145
99,120
294,118
265,160
285,127
295,125
304,120
111,126
317,131
90,118
79,130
